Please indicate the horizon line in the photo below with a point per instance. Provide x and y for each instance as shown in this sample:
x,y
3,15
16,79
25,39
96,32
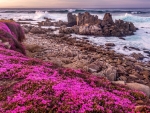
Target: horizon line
x,y
72,8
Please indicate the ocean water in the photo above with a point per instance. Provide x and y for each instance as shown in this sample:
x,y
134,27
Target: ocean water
x,y
140,18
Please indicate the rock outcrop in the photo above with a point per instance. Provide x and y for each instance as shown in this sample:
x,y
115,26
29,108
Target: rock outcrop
x,y
91,25
72,20
87,19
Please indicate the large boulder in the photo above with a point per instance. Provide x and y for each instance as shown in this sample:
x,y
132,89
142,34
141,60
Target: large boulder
x,y
140,87
111,73
72,20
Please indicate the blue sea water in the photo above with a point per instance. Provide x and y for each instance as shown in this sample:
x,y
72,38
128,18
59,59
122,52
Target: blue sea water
x,y
140,17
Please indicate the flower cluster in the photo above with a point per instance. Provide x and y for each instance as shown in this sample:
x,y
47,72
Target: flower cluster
x,y
32,86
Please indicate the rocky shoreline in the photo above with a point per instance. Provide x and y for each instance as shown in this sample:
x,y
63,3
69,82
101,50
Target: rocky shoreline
x,y
71,52
66,51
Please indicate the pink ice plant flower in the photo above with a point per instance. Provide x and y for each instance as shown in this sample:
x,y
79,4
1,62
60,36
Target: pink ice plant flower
x,y
39,87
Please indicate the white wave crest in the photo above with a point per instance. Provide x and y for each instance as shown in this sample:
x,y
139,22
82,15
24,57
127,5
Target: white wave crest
x,y
132,18
71,10
41,14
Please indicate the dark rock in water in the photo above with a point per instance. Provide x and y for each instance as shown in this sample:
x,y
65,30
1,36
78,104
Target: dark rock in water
x,y
137,56
132,27
135,48
26,20
122,38
125,47
72,20
47,18
146,51
110,44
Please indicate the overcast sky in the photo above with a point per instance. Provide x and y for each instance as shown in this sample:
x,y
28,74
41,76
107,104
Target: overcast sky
x,y
75,3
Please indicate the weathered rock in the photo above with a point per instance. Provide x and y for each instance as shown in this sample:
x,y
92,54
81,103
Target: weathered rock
x,y
93,68
111,73
37,30
91,25
119,82
72,19
140,87
60,23
90,30
137,56
140,109
132,27
107,19
76,29
88,19
65,30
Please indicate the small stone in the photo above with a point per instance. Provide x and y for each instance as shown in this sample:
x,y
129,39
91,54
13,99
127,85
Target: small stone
x,y
93,68
119,82
133,76
110,44
123,78
140,102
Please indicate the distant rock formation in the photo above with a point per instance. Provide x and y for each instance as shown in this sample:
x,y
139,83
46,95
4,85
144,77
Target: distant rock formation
x,y
87,24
